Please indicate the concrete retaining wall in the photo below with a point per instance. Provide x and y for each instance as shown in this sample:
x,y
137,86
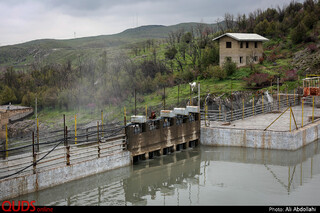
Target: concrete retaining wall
x,y
260,139
16,186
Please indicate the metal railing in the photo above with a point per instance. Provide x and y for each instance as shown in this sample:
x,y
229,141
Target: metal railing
x,y
248,110
61,149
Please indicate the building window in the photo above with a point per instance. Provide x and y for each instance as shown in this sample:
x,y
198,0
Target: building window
x,y
228,44
255,58
241,59
255,44
241,44
247,44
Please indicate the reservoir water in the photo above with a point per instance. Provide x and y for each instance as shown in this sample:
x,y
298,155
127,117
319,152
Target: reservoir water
x,y
200,176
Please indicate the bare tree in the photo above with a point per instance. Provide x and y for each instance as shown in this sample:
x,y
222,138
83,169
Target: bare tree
x,y
229,21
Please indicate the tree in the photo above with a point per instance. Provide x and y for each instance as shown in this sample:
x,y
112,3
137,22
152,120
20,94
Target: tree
x,y
298,34
171,53
7,95
187,37
261,27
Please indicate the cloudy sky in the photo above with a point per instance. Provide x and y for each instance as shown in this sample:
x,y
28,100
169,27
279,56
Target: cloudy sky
x,y
25,20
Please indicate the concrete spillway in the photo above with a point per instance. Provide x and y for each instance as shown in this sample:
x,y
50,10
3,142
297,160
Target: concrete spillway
x,y
250,132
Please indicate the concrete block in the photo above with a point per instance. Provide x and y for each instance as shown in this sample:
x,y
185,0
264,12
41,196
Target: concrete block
x,y
193,109
167,113
138,119
180,111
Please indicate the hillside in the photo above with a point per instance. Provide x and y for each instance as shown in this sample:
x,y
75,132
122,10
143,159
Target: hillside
x,y
89,74
60,51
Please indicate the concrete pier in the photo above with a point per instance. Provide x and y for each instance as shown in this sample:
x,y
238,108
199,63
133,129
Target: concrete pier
x,y
249,132
20,185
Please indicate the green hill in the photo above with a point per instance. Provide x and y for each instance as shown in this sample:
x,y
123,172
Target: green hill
x,y
59,51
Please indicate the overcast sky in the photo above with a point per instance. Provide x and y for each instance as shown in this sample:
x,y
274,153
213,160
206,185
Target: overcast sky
x,y
25,20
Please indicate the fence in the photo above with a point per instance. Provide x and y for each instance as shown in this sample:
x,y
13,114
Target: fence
x,y
64,148
250,109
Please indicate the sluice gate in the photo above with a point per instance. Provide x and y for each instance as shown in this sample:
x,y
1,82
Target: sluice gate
x,y
175,130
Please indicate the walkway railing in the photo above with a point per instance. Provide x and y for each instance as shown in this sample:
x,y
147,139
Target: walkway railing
x,y
249,110
58,149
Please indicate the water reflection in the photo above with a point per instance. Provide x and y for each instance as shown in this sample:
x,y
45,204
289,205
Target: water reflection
x,y
200,176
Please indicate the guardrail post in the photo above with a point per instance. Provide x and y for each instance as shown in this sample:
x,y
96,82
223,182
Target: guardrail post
x,y
302,103
67,148
242,108
64,129
75,129
98,139
7,154
34,155
252,105
4,149
38,146
262,103
87,136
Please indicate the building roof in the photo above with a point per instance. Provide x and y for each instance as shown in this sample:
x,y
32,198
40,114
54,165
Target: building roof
x,y
244,37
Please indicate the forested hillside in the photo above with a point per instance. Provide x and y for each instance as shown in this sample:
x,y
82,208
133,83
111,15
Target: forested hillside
x,y
105,70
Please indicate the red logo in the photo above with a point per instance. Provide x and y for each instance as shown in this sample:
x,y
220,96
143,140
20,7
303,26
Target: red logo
x,y
22,206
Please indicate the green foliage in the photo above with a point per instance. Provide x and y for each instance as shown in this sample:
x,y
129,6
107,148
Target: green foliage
x,y
229,66
7,95
298,34
217,72
171,53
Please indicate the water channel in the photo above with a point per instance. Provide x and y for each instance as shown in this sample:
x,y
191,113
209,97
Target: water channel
x,y
200,176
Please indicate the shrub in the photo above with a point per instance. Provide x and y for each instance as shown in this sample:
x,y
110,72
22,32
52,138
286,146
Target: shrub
x,y
229,66
259,79
291,75
218,73
261,59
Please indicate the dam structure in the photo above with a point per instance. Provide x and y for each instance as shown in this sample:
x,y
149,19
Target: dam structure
x,y
89,151
279,121
282,121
